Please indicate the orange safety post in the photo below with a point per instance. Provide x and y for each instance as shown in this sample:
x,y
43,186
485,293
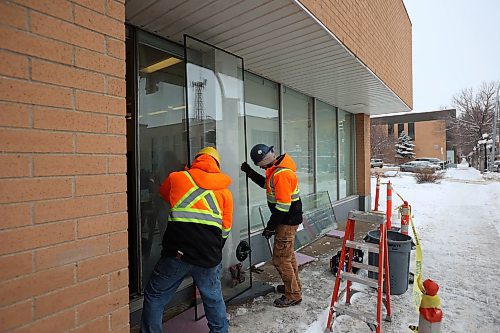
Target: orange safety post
x,y
431,314
389,205
405,217
377,193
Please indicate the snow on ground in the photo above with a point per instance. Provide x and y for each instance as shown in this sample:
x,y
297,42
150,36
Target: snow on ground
x,y
458,223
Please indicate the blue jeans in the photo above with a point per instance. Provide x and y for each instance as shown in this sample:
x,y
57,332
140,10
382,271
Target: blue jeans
x,y
166,278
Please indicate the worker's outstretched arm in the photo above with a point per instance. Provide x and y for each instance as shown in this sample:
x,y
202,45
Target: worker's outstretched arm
x,y
253,175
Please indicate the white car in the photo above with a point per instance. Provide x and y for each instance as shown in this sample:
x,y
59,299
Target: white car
x,y
496,166
415,166
376,163
433,160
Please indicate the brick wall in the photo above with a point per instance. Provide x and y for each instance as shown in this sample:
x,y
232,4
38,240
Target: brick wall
x,y
362,123
378,32
430,136
63,229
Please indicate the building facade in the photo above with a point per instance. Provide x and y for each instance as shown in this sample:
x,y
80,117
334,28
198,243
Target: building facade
x,y
99,101
432,133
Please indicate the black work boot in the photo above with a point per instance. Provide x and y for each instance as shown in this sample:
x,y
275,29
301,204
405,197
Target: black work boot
x,y
284,302
280,288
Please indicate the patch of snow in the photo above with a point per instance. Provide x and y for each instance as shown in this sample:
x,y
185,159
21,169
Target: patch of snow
x,y
463,174
459,228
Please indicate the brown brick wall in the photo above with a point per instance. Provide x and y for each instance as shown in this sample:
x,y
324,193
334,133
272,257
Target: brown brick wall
x,y
378,32
362,122
63,228
430,136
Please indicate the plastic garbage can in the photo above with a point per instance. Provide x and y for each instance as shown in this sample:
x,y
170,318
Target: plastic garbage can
x,y
399,259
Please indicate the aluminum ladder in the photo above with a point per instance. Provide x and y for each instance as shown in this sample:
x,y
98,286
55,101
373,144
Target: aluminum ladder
x,y
348,244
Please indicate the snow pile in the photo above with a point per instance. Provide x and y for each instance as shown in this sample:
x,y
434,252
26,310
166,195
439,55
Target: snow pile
x,y
464,174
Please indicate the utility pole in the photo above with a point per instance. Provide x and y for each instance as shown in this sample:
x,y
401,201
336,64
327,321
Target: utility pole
x,y
495,120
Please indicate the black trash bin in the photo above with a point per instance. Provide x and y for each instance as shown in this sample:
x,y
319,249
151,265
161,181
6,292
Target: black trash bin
x,y
399,259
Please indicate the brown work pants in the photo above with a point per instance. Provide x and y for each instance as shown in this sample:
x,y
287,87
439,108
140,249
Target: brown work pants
x,y
285,262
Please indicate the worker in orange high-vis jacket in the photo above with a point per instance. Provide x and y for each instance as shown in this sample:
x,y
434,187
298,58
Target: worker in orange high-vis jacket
x,y
199,222
283,199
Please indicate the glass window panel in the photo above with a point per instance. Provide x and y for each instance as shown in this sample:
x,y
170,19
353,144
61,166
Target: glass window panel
x,y
261,108
161,134
346,153
401,128
298,136
216,118
390,131
411,130
326,149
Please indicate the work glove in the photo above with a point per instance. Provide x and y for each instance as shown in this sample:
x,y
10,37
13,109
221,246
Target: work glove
x,y
246,168
268,233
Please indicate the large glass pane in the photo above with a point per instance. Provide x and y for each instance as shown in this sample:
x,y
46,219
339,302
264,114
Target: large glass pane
x,y
326,149
346,153
298,136
216,118
261,107
161,136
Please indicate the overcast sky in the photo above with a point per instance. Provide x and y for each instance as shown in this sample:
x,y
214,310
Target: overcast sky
x,y
456,45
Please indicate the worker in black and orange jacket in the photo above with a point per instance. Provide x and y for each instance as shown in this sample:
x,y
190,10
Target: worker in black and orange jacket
x,y
200,219
283,199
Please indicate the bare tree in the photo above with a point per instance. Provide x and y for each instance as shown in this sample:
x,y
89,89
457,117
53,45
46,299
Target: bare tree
x,y
475,114
380,144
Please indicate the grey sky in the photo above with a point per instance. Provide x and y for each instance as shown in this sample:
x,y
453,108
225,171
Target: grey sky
x,y
456,45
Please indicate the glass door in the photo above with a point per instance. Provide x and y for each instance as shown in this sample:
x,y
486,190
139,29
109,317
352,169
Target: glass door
x,y
216,117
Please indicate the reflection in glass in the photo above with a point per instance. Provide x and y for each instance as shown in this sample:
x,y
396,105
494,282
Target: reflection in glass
x,y
216,118
326,145
346,154
261,107
298,136
161,145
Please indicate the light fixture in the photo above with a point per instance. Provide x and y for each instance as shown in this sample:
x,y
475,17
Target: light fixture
x,y
157,112
160,65
179,107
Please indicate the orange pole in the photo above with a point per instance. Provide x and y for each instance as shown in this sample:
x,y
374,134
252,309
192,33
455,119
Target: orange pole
x,y
389,205
377,193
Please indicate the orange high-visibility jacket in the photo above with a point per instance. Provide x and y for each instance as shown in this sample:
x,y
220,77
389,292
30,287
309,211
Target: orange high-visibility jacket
x,y
201,210
282,190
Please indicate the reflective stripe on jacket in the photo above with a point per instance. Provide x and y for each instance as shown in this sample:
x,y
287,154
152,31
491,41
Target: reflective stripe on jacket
x,y
184,211
282,196
201,212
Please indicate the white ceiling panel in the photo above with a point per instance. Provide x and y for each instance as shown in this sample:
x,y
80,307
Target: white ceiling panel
x,y
277,39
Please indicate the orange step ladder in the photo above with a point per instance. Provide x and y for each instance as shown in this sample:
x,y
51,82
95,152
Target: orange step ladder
x,y
348,244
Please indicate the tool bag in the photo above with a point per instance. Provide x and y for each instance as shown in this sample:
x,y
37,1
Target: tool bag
x,y
334,261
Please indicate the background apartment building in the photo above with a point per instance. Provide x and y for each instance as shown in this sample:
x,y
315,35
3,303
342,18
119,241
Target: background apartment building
x,y
99,100
432,134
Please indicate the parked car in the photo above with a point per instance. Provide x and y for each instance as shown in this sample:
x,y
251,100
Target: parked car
x,y
496,166
376,163
415,166
433,160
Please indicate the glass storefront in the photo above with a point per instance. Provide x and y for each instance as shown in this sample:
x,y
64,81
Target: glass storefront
x,y
298,140
346,153
326,149
178,106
